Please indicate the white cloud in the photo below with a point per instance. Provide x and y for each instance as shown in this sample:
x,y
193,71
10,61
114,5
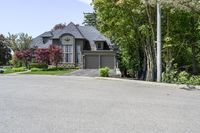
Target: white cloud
x,y
86,1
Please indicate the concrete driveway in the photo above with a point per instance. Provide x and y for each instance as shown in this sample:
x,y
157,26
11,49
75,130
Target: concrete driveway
x,y
65,104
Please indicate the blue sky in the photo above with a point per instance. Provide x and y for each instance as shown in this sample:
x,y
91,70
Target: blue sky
x,y
37,16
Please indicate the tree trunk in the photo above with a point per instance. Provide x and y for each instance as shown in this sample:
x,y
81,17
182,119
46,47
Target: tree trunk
x,y
150,70
144,68
150,74
150,45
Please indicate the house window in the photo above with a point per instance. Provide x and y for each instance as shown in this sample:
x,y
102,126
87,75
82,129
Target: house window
x,y
45,40
99,45
68,53
78,53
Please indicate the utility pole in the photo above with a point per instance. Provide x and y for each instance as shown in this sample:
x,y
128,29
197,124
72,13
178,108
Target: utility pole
x,y
159,62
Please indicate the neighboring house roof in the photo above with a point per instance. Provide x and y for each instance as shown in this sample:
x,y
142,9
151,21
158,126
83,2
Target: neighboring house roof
x,y
89,33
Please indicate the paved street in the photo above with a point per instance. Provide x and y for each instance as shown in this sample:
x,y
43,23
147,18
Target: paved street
x,y
66,104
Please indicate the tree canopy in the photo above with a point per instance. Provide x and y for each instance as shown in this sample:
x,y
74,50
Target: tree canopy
x,y
19,41
131,24
5,52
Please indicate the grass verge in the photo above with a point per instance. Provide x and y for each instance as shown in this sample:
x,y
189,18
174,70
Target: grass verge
x,y
50,72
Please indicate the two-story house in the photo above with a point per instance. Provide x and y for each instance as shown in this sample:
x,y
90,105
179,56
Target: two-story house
x,y
82,46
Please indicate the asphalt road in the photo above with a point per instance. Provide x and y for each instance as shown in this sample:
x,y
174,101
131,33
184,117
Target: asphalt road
x,y
65,104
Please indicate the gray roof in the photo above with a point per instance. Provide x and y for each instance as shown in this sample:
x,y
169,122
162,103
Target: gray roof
x,y
92,35
47,34
89,33
38,42
71,28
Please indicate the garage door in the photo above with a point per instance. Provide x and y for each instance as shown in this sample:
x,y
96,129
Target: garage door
x,y
107,61
92,62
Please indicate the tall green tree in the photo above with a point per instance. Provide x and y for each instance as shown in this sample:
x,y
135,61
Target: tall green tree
x,y
5,52
131,24
90,19
19,41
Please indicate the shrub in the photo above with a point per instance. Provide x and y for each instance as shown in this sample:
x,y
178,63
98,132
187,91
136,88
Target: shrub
x,y
170,76
42,55
194,80
16,62
54,68
7,67
183,77
25,56
55,55
7,70
36,69
1,71
38,65
130,73
104,72
60,68
10,62
69,66
19,69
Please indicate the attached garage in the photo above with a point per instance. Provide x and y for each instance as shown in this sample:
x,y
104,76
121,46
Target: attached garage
x,y
107,61
91,61
99,59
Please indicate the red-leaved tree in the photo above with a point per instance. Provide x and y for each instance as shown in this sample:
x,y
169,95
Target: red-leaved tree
x,y
55,55
59,26
42,55
25,56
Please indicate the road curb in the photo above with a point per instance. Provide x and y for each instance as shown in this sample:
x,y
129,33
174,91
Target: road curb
x,y
19,72
180,86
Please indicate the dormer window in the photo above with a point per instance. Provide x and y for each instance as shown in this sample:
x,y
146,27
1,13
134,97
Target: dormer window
x,y
99,45
45,39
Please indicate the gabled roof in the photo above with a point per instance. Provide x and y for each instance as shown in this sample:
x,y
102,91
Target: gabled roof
x,y
89,33
69,29
93,35
47,34
38,42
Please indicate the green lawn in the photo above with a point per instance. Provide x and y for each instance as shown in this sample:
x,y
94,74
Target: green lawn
x,y
50,72
8,72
